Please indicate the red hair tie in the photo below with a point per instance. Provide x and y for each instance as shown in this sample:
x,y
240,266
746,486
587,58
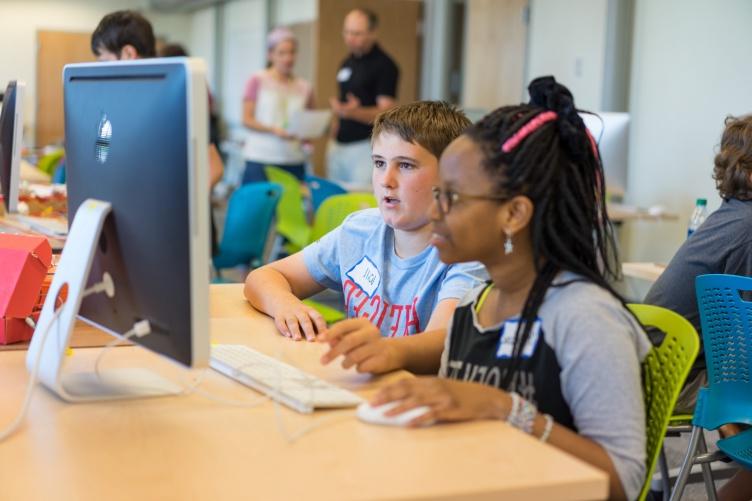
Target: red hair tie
x,y
527,129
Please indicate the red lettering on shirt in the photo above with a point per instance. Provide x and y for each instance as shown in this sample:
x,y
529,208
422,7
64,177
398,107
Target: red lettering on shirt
x,y
374,299
411,318
375,308
395,326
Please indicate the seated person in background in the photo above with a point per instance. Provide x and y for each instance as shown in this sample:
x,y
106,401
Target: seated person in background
x,y
391,278
127,35
547,344
271,97
722,244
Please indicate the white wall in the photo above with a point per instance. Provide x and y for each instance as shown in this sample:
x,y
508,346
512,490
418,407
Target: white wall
x,y
286,12
203,41
21,19
690,68
243,52
568,40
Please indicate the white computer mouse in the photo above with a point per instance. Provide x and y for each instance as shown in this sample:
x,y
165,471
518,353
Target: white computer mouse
x,y
375,415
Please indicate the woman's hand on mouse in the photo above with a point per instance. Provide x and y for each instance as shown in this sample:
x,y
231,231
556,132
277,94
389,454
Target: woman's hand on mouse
x,y
447,399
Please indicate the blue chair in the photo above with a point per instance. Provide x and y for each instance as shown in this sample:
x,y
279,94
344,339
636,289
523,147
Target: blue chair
x,y
726,320
321,189
248,225
59,176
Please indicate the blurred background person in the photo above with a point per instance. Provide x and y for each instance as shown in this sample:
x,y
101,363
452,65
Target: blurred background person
x,y
367,81
271,97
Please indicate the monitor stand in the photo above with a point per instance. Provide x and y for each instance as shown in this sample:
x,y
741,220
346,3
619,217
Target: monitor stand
x,y
47,351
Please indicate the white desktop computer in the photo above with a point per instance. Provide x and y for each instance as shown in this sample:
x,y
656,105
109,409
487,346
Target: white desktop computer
x,y
138,247
611,132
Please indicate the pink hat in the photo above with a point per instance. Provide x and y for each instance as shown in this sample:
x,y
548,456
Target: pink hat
x,y
278,35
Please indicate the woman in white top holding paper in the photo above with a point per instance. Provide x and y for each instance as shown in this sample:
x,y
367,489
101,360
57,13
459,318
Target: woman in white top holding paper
x,y
271,98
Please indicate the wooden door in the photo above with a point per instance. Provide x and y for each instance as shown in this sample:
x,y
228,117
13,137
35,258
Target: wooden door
x,y
494,53
55,49
398,35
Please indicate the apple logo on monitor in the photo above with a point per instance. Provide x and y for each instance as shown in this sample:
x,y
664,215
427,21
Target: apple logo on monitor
x,y
104,135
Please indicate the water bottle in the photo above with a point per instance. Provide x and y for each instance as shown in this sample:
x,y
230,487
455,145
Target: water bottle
x,y
698,216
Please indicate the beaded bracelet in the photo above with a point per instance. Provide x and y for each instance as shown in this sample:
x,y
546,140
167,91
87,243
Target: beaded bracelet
x,y
522,415
515,410
547,428
527,416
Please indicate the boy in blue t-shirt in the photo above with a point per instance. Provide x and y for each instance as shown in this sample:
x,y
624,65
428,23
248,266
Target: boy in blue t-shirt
x,y
393,282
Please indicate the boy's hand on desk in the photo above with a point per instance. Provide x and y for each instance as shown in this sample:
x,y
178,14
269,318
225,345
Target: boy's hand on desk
x,y
296,320
447,399
362,346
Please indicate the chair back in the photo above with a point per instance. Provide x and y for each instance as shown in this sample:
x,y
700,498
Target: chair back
x,y
726,321
291,218
336,208
50,161
250,213
321,189
664,370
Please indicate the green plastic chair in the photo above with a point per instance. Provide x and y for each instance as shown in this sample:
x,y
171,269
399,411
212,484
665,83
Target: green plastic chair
x,y
291,218
664,371
50,161
336,208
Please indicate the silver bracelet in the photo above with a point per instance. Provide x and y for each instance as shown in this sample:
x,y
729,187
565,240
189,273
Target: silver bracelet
x,y
547,429
514,412
527,416
522,415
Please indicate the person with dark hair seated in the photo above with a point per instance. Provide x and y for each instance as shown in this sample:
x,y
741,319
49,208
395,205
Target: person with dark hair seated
x,y
127,35
173,50
722,244
546,345
124,34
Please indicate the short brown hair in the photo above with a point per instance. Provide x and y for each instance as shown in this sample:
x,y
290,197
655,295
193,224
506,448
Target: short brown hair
x,y
430,124
733,163
121,28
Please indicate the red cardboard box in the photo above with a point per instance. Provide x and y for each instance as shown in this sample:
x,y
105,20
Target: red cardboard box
x,y
24,261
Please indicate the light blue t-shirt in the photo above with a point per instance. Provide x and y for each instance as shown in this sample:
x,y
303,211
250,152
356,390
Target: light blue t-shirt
x,y
397,295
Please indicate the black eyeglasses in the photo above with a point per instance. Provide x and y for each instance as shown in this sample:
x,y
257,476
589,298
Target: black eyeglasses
x,y
446,199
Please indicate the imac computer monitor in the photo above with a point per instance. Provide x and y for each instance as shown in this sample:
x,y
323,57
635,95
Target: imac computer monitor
x,y
11,132
611,132
136,137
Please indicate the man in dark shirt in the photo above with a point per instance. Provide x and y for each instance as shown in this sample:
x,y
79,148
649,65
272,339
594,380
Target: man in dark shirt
x,y
367,81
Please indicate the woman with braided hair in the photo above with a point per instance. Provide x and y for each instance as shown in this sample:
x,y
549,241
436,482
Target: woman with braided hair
x,y
547,344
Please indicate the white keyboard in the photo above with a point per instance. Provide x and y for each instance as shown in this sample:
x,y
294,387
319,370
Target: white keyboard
x,y
282,382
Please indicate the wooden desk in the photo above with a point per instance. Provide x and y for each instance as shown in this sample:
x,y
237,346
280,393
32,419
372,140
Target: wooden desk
x,y
10,225
619,213
188,447
645,271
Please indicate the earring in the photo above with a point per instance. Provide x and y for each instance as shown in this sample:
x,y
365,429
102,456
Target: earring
x,y
508,246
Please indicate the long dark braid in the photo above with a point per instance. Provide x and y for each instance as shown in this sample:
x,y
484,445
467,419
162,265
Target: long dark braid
x,y
557,166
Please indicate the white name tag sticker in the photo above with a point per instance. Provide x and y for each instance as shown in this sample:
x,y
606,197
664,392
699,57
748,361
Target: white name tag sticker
x,y
344,74
506,341
366,275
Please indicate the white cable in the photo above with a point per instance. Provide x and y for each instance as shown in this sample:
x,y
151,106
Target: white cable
x,y
194,388
140,329
292,437
8,431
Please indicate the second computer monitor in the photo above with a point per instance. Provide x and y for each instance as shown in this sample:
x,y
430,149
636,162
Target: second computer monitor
x,y
611,131
136,137
11,132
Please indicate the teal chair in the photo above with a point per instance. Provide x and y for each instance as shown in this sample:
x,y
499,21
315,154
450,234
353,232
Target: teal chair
x,y
248,225
726,320
664,371
321,189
